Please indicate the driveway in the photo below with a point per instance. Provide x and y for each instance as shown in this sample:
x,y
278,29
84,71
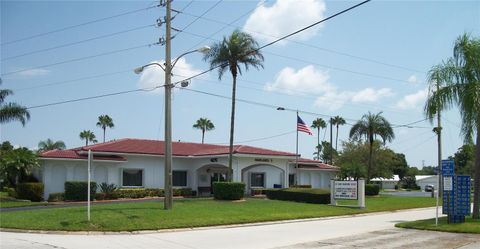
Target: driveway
x,y
293,234
409,193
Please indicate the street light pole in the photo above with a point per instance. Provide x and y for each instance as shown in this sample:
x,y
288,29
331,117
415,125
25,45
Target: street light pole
x,y
168,110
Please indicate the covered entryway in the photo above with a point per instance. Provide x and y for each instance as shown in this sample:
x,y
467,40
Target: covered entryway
x,y
209,174
263,176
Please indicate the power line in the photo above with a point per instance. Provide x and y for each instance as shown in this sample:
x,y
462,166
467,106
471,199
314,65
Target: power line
x,y
204,13
82,58
311,45
77,42
262,138
79,25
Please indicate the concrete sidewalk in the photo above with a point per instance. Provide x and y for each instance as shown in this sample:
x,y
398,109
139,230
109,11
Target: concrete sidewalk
x,y
256,236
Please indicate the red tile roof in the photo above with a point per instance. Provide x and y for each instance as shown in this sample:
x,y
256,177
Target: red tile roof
x,y
156,147
309,164
73,154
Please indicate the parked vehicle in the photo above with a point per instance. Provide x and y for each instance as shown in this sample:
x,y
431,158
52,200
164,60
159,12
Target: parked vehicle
x,y
429,188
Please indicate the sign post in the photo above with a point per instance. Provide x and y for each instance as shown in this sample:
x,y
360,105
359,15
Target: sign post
x,y
88,183
456,194
347,190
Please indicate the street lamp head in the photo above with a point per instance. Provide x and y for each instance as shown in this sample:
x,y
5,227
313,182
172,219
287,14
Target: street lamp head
x,y
204,49
280,109
138,70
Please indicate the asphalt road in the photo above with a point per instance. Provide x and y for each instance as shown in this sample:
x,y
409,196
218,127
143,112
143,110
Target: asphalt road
x,y
292,234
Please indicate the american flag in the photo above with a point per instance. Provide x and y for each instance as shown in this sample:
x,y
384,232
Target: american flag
x,y
302,127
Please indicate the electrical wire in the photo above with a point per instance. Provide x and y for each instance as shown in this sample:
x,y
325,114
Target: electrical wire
x,y
204,13
78,25
81,58
77,42
260,139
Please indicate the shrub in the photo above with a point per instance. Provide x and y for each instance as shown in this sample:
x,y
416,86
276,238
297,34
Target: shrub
x,y
56,197
182,192
11,192
372,189
318,196
228,190
301,186
30,191
155,192
131,193
107,191
77,191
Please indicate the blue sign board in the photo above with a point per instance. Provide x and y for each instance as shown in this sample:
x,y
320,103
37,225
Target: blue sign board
x,y
462,195
447,168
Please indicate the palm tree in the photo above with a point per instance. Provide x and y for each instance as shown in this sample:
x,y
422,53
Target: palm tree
x,y
337,121
318,124
88,136
49,144
458,83
370,126
11,111
239,48
105,121
204,124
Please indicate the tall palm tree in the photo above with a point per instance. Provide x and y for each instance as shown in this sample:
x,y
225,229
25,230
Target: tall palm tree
x,y
458,82
49,144
204,124
105,121
318,124
229,54
11,111
337,121
370,126
88,136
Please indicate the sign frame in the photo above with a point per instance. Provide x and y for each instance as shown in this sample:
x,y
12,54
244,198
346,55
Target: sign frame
x,y
337,197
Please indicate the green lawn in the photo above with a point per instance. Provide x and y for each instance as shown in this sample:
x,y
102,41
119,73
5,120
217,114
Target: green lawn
x,y
190,213
470,226
8,202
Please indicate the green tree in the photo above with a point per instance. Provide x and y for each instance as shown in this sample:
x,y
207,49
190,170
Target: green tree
x,y
238,49
12,111
49,144
88,136
458,82
328,153
318,124
399,165
317,155
105,121
204,124
370,126
337,121
465,160
16,164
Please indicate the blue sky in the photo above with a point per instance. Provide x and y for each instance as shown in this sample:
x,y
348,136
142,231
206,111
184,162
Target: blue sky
x,y
373,58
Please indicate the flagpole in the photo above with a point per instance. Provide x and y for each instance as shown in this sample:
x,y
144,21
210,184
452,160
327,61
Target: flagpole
x,y
296,154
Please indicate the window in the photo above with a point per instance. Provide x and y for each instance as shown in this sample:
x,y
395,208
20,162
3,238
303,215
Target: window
x,y
132,177
179,178
257,180
291,179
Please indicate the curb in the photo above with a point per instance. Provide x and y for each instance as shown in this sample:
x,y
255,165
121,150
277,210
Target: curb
x,y
266,223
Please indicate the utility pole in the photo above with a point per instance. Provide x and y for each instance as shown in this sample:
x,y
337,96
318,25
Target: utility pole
x,y
439,143
331,141
168,110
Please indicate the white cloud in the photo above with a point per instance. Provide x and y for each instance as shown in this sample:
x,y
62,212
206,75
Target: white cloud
x,y
413,79
305,80
33,72
371,95
284,17
154,76
413,101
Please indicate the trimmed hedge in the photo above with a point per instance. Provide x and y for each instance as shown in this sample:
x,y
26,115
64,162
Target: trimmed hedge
x,y
135,193
11,192
372,189
77,190
56,197
318,196
228,190
30,191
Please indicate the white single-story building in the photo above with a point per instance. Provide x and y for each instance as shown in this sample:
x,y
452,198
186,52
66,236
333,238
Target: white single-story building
x,y
387,183
423,180
139,163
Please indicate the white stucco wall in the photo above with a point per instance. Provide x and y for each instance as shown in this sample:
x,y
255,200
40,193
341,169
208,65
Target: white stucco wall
x,y
199,170
429,180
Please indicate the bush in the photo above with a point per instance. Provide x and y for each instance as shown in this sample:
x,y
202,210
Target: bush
x,y
228,190
56,197
30,191
11,192
318,196
301,186
77,191
155,192
131,193
372,189
107,192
